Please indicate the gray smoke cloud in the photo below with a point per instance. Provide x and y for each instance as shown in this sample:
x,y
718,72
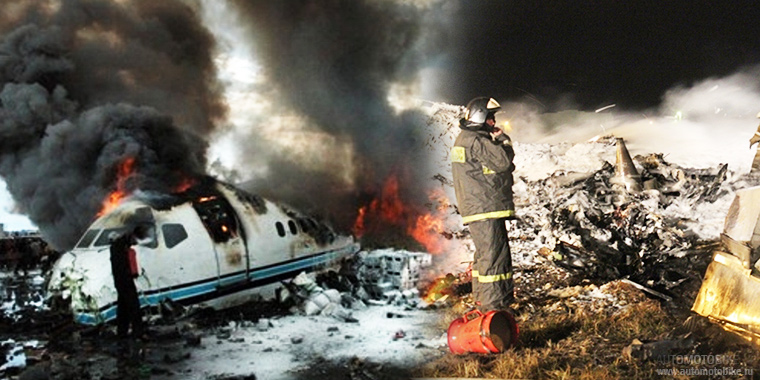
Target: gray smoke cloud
x,y
87,85
333,63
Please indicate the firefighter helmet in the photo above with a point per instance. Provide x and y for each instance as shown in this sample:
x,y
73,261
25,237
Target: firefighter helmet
x,y
477,111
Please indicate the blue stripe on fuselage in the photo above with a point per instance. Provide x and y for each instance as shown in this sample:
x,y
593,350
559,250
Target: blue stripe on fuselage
x,y
208,286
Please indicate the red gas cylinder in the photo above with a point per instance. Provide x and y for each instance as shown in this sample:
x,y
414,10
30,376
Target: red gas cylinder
x,y
492,332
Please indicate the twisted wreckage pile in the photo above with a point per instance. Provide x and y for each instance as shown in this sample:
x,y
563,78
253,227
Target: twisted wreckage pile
x,y
611,225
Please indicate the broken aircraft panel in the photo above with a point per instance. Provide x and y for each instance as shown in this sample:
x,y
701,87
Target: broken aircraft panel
x,y
215,249
730,291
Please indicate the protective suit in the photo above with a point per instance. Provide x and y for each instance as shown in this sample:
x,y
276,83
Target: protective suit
x,y
482,172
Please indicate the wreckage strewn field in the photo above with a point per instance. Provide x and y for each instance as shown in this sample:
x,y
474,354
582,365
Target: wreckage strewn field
x,y
605,282
607,278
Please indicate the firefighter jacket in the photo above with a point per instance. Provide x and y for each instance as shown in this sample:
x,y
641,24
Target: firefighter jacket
x,y
482,171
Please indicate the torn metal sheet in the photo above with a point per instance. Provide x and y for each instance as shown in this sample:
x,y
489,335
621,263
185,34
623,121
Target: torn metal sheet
x,y
730,295
730,292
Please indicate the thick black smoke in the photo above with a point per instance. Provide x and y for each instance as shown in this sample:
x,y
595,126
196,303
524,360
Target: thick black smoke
x,y
87,85
333,62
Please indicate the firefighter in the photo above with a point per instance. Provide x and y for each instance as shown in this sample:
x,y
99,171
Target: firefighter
x,y
482,171
124,270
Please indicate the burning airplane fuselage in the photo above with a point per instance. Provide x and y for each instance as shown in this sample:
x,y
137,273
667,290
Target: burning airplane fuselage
x,y
215,249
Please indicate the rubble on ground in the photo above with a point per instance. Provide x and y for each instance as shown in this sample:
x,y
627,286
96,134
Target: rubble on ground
x,y
587,225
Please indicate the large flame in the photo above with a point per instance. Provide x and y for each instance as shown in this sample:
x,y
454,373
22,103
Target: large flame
x,y
429,228
124,170
389,211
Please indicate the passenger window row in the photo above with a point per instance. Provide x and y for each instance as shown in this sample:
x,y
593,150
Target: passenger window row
x,y
306,225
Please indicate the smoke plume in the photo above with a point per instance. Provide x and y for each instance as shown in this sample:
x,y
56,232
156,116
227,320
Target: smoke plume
x,y
87,85
329,68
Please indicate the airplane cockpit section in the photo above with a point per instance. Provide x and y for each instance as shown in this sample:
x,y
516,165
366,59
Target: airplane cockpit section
x,y
119,223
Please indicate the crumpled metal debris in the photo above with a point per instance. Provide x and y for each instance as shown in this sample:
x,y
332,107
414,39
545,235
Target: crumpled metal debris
x,y
587,223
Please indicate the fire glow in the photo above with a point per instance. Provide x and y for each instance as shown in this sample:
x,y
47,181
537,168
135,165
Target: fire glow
x,y
185,184
124,170
389,210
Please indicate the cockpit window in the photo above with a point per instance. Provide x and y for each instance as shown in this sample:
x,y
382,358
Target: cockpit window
x,y
149,240
87,239
103,238
173,234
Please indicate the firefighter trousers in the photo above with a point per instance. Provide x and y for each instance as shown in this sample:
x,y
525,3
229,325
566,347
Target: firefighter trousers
x,y
128,311
492,285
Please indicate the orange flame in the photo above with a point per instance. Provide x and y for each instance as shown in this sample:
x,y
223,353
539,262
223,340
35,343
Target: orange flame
x,y
125,169
442,286
388,209
359,223
427,230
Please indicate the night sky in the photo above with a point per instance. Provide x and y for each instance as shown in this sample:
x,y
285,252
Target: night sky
x,y
596,53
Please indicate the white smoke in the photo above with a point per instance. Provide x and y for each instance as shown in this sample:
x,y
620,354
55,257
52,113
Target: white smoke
x,y
700,125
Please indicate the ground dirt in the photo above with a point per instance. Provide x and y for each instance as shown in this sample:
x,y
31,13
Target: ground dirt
x,y
571,326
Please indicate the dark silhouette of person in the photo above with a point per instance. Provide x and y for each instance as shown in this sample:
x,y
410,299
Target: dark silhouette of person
x,y
123,268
